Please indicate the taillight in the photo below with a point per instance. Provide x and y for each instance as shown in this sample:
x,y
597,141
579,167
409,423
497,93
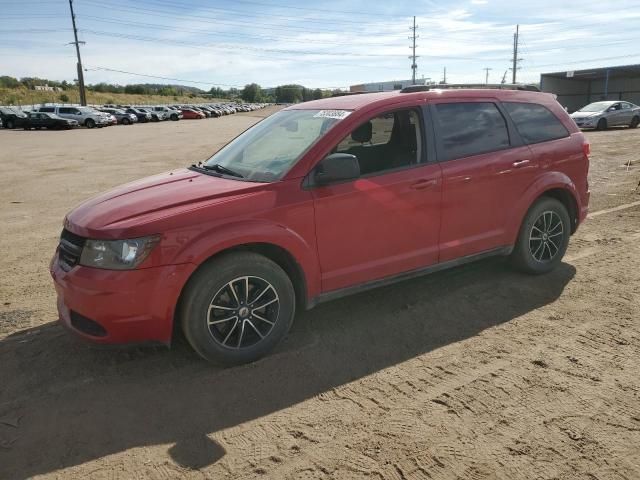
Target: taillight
x,y
586,148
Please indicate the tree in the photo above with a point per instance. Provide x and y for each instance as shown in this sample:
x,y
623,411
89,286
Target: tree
x,y
251,92
289,94
317,94
9,82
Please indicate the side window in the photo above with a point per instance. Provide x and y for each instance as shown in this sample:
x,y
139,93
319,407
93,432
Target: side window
x,y
626,106
47,109
388,141
467,129
66,110
535,123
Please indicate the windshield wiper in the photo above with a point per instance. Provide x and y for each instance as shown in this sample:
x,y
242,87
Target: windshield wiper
x,y
220,169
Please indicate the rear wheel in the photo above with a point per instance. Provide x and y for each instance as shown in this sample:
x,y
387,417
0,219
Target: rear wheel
x,y
602,124
543,238
635,121
237,308
90,123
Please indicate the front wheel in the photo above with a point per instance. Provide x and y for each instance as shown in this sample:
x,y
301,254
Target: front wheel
x,y
126,121
90,123
9,124
237,308
543,237
602,124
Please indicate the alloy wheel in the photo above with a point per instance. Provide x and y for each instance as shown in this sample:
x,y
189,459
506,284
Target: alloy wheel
x,y
243,312
546,237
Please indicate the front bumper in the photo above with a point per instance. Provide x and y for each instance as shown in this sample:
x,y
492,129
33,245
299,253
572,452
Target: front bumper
x,y
119,307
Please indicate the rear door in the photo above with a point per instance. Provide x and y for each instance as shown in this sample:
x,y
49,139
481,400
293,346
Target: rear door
x,y
626,113
485,167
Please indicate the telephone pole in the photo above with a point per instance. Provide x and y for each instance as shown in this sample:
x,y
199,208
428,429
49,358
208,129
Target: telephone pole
x,y
414,65
486,76
444,76
515,60
83,97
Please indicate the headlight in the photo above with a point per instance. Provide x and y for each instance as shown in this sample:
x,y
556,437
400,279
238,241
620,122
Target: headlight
x,y
117,254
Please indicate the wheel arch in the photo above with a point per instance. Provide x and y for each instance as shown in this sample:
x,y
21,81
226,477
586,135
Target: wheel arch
x,y
276,253
555,185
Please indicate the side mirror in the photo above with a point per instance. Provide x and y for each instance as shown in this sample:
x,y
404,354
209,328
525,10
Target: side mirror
x,y
336,167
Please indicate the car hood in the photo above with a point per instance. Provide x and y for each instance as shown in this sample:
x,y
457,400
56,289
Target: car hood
x,y
585,114
134,209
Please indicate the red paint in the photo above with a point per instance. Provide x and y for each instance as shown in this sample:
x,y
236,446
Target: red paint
x,y
340,235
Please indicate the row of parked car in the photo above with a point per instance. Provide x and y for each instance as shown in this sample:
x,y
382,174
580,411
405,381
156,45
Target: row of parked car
x,y
67,117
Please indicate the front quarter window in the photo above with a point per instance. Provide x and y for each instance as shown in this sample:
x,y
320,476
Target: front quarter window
x,y
267,151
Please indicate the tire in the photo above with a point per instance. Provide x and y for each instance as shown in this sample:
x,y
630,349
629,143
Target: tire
x,y
548,220
126,121
602,124
237,319
635,121
174,117
9,124
90,123
27,128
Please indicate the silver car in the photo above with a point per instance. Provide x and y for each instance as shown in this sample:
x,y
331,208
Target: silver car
x,y
601,115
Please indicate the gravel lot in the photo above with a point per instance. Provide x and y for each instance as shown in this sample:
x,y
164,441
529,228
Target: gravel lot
x,y
473,373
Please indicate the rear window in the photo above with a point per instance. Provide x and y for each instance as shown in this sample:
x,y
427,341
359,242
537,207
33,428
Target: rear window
x,y
535,123
470,129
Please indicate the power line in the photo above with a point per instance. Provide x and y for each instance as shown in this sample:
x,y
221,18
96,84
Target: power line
x,y
182,80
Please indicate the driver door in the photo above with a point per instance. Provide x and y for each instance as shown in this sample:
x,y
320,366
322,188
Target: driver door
x,y
387,221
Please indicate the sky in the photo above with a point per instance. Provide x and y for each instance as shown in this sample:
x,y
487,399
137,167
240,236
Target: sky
x,y
321,44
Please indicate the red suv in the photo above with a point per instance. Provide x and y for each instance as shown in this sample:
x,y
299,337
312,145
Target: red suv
x,y
317,201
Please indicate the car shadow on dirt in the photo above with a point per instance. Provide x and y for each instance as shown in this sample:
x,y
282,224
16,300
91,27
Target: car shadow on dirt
x,y
68,403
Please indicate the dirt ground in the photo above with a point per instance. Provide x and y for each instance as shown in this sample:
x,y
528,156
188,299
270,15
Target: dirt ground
x,y
473,373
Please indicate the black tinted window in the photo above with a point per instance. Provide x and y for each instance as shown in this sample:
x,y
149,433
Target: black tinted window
x,y
66,110
46,109
471,128
535,123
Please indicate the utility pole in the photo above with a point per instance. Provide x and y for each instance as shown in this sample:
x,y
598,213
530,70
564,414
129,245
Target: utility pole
x,y
486,76
414,65
515,60
444,76
83,97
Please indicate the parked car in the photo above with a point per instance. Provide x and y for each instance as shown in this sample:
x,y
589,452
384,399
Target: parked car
x,y
170,113
601,115
86,116
143,117
320,200
121,116
49,121
12,118
190,114
156,116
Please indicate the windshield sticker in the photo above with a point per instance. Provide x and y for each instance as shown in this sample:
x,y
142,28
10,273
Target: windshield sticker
x,y
337,114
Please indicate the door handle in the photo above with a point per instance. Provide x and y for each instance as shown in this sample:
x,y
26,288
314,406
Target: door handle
x,y
520,163
422,184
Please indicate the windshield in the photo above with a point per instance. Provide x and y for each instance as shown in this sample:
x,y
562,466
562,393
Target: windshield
x,y
267,151
596,107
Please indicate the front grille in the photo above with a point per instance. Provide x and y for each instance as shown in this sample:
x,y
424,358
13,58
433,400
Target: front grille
x,y
86,325
69,249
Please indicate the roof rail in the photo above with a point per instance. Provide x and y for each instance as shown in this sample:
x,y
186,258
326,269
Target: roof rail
x,y
453,86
